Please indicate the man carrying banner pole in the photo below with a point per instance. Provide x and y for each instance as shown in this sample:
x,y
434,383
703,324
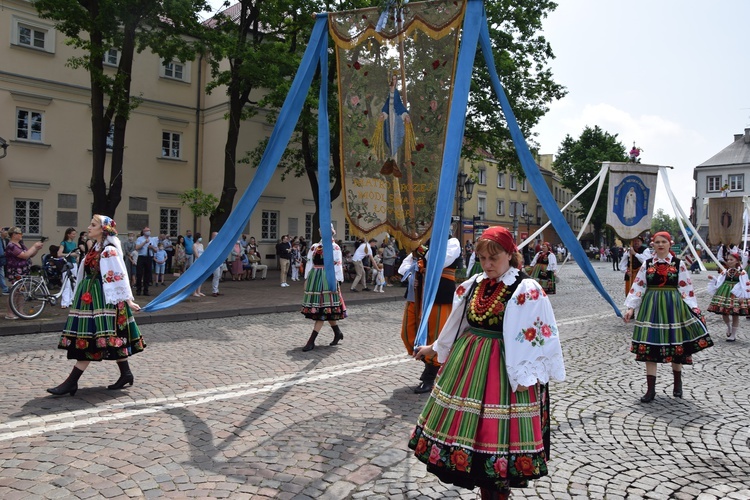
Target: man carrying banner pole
x,y
632,260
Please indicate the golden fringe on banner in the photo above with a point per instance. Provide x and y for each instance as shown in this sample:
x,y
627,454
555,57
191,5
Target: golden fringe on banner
x,y
403,241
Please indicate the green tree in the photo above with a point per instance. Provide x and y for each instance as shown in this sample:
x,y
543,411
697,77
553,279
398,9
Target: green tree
x,y
252,47
130,26
578,161
200,203
522,55
661,221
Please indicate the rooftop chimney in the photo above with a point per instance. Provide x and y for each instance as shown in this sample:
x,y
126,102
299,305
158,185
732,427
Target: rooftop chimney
x,y
747,136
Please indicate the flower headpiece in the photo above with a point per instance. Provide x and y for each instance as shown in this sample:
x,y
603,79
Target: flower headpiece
x,y
109,226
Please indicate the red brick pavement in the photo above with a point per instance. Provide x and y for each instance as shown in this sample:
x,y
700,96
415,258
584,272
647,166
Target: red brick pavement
x,y
238,298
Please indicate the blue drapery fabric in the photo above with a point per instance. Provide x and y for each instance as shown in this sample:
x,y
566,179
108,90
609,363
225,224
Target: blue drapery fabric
x,y
474,30
219,248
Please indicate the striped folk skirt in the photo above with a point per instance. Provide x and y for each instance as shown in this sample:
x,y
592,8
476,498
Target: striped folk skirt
x,y
724,302
97,331
666,329
320,302
546,279
474,431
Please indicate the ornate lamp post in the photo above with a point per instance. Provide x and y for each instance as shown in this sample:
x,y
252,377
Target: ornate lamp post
x,y
4,147
463,184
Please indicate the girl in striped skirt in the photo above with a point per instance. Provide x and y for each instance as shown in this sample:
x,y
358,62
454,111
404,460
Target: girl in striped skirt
x,y
730,291
486,422
669,327
322,301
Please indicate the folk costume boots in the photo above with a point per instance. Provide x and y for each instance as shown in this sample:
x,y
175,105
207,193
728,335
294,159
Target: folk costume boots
x,y
310,342
337,335
428,378
651,391
126,376
70,386
677,390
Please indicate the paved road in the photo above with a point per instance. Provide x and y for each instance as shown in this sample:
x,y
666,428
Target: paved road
x,y
231,407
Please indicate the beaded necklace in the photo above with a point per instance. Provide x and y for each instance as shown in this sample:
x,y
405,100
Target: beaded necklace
x,y
487,300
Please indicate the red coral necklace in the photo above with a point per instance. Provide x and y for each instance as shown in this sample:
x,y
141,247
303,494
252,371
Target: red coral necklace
x,y
486,299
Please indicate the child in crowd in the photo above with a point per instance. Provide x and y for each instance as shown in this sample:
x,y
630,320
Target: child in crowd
x,y
160,259
731,291
295,260
133,260
379,279
54,265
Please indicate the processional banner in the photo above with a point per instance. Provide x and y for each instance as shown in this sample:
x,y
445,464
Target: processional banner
x,y
395,80
632,189
725,220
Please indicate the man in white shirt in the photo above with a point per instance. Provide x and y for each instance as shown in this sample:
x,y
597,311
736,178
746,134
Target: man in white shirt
x,y
363,252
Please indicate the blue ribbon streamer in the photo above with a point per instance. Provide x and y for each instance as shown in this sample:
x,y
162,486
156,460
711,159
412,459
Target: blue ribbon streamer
x,y
217,251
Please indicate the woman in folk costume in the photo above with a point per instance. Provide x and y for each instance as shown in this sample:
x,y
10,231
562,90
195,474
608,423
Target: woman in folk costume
x,y
486,422
668,326
413,269
731,291
323,301
100,323
544,266
474,266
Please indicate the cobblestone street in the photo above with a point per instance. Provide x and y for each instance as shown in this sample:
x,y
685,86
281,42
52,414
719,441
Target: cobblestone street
x,y
232,408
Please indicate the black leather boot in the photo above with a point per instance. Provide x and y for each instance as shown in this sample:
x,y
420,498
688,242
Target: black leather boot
x,y
310,342
430,372
70,386
337,335
126,377
677,391
651,391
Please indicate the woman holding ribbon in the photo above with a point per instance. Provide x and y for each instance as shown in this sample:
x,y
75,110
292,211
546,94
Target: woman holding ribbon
x,y
486,422
544,266
100,324
669,327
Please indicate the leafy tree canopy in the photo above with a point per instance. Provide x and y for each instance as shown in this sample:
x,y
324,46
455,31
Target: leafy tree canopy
x,y
579,160
662,221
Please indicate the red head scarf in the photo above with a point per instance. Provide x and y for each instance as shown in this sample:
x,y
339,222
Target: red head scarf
x,y
502,237
663,234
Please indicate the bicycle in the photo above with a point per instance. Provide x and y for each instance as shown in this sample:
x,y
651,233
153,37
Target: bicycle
x,y
30,295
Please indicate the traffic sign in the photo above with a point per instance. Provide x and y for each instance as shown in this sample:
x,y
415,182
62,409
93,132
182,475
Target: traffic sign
x,y
481,226
455,218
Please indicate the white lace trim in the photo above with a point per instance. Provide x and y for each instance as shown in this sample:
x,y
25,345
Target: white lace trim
x,y
114,293
542,369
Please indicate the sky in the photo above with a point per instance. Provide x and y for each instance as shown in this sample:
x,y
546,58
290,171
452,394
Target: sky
x,y
671,76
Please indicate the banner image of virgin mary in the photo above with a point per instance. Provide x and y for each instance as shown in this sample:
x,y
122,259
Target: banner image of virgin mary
x,y
630,200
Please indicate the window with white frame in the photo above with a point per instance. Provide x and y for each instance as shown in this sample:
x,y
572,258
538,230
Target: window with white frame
x,y
33,35
524,187
28,216
269,225
512,207
500,207
175,70
171,145
111,57
481,205
523,209
713,183
169,221
512,182
308,226
347,233
29,125
737,182
482,177
501,179
111,137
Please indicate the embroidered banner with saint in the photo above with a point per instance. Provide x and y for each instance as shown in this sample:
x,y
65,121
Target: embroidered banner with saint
x,y
395,78
725,220
632,189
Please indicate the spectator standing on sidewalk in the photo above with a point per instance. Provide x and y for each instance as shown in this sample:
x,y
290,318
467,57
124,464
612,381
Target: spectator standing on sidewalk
x,y
146,247
69,246
363,252
18,259
166,241
198,251
100,324
217,273
178,263
322,301
3,283
130,264
189,250
296,260
284,253
389,261
160,264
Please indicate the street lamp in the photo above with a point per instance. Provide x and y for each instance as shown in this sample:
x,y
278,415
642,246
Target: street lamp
x,y
464,184
4,146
